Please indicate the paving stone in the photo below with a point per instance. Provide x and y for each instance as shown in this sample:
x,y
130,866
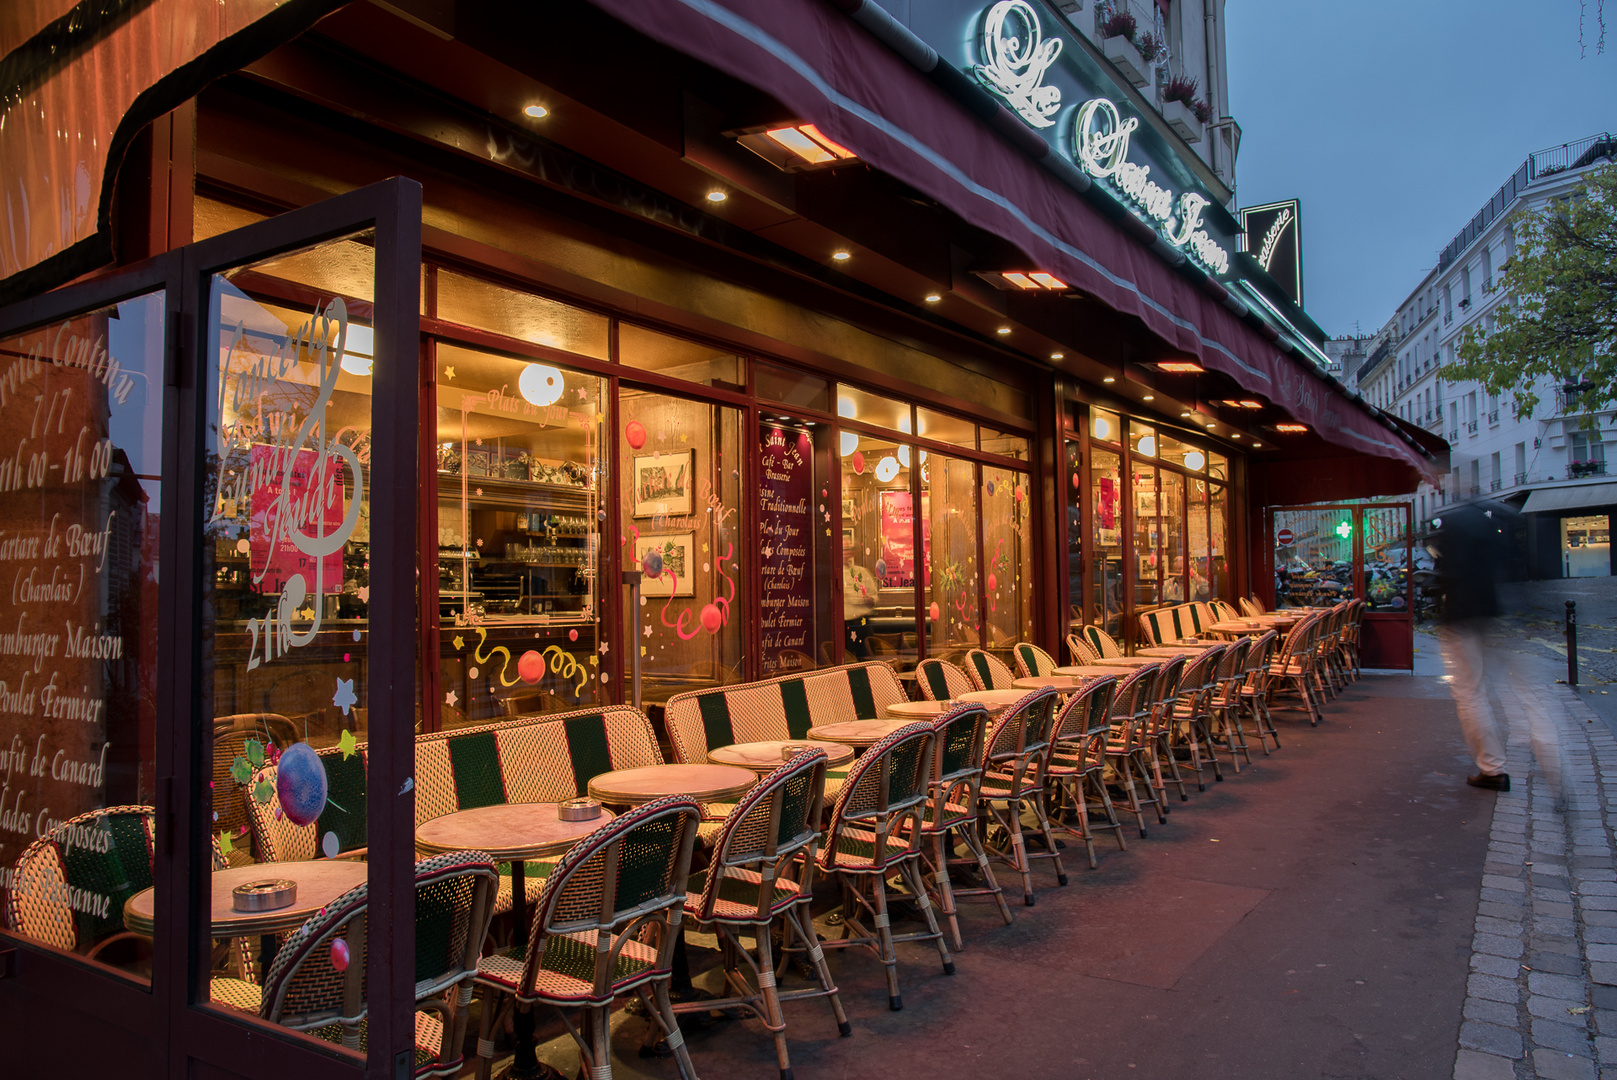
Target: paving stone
x,y
1491,1012
1563,1037
1600,918
1493,988
1497,965
1604,997
1595,951
1603,973
1504,884
1552,925
1551,1008
1487,924
1598,903
1555,1065
1554,943
1555,963
1470,1065
1502,896
1605,1020
1597,888
1600,935
1552,898
1490,1039
1497,945
1549,984
1503,911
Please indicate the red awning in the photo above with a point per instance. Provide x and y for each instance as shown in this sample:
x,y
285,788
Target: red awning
x,y
832,72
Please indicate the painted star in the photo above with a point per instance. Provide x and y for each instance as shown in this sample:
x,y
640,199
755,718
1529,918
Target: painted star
x,y
460,642
364,594
648,631
449,371
450,698
605,646
344,697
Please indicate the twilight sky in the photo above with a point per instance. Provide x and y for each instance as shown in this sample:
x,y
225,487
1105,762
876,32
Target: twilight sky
x,y
1394,121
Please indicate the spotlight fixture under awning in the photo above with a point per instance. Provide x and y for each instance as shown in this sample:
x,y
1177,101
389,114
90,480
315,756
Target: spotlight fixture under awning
x,y
796,147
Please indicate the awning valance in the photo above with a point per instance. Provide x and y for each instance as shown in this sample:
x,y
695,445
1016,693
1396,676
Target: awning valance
x,y
832,72
1573,497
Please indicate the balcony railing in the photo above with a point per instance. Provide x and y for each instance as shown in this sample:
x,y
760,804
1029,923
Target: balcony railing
x,y
1495,485
1578,469
1453,434
1470,427
1493,417
1521,478
1577,398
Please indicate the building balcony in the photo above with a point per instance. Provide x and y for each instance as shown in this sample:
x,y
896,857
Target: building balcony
x,y
1470,427
1520,478
1577,470
1576,398
1493,418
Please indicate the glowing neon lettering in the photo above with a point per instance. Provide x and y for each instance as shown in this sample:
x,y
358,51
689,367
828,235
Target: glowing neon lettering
x,y
1014,63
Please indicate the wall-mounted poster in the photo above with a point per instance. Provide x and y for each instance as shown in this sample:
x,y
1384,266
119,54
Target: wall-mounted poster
x,y
275,555
898,538
662,483
1106,503
675,577
785,564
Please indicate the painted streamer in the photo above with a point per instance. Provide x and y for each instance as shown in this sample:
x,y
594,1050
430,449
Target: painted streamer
x,y
713,616
498,650
564,665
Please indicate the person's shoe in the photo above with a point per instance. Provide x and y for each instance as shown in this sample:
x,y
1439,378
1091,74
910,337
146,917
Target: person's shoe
x,y
1491,781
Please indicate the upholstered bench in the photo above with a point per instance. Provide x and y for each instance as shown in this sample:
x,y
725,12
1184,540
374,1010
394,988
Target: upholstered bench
x,y
784,707
1167,625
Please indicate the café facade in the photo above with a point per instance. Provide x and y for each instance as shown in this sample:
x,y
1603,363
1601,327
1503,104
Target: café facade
x,y
389,369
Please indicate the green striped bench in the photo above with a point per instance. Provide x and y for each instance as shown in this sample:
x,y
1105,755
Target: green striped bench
x,y
527,759
784,707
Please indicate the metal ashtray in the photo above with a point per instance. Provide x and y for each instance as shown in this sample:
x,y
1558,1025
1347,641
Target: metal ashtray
x,y
578,810
790,750
271,894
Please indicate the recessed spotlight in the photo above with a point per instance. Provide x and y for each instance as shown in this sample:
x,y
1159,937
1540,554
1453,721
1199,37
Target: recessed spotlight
x,y
933,298
538,112
1058,356
1256,445
717,196
1149,397
1210,427
841,256
1184,414
1235,434
1108,379
1003,330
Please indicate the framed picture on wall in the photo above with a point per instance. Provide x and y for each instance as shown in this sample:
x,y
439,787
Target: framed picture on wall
x,y
677,576
663,482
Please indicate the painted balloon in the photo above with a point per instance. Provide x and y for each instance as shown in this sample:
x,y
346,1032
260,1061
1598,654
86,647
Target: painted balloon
x,y
300,783
329,845
1020,494
339,954
993,582
989,487
572,635
635,432
652,563
881,569
933,610
531,667
858,462
1075,480
712,618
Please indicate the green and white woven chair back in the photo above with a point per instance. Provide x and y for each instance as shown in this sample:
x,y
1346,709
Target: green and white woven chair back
x,y
940,680
1168,680
1201,617
960,741
1152,629
1032,661
304,990
454,902
1079,650
104,856
1100,696
758,834
1100,642
906,754
1074,718
1136,694
987,671
1249,607
1023,728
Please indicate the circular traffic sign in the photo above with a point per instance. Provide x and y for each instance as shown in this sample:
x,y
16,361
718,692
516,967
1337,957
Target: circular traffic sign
x,y
1284,537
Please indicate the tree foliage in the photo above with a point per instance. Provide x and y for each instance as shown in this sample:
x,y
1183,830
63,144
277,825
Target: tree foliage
x,y
1560,320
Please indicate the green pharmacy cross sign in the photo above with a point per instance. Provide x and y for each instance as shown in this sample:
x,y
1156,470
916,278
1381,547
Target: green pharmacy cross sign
x,y
1344,528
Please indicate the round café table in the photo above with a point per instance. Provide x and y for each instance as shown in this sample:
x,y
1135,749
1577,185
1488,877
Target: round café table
x,y
1062,683
319,881
704,783
919,710
1164,652
1116,662
995,701
765,757
860,734
1088,671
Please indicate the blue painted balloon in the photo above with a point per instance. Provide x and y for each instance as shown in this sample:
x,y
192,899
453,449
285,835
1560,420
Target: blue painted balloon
x,y
300,783
881,569
652,563
990,487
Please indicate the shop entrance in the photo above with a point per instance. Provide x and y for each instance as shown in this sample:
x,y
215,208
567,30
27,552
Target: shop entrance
x,y
1322,554
1586,546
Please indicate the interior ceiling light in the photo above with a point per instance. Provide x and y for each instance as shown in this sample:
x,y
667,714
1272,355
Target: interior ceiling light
x,y
841,256
1147,446
538,112
886,468
1003,330
1194,460
1210,427
359,348
717,196
1291,428
1149,397
1184,414
1256,445
541,384
1244,403
1180,367
933,298
849,442
1058,356
1108,379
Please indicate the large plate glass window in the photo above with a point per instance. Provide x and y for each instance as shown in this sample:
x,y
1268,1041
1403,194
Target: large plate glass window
x,y
880,559
81,418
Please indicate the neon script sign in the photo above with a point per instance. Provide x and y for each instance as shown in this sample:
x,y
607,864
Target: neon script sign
x,y
1016,58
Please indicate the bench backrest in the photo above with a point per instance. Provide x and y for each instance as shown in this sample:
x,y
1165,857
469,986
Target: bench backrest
x,y
784,707
543,758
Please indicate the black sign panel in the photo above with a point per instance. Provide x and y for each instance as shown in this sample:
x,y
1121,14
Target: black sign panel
x,y
1274,239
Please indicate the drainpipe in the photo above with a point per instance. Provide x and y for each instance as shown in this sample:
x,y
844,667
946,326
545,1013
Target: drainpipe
x,y
1210,21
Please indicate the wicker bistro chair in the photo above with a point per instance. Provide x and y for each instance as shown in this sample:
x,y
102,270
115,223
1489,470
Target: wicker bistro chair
x,y
940,680
1100,642
1015,759
1032,661
1253,690
1189,715
875,831
605,926
761,874
952,811
305,991
1224,704
987,671
1162,766
1251,605
1128,747
1293,668
1080,651
1076,773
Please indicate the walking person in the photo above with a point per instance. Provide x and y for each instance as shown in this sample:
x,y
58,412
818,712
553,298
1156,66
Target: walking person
x,y
1469,547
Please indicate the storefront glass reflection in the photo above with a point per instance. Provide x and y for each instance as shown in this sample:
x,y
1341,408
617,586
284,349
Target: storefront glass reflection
x,y
1106,557
949,536
880,560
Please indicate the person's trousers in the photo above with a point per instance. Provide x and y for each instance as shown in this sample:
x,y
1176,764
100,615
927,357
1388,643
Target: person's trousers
x,y
1465,662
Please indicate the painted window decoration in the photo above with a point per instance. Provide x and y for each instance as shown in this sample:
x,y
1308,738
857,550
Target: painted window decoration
x,y
519,474
680,514
81,415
